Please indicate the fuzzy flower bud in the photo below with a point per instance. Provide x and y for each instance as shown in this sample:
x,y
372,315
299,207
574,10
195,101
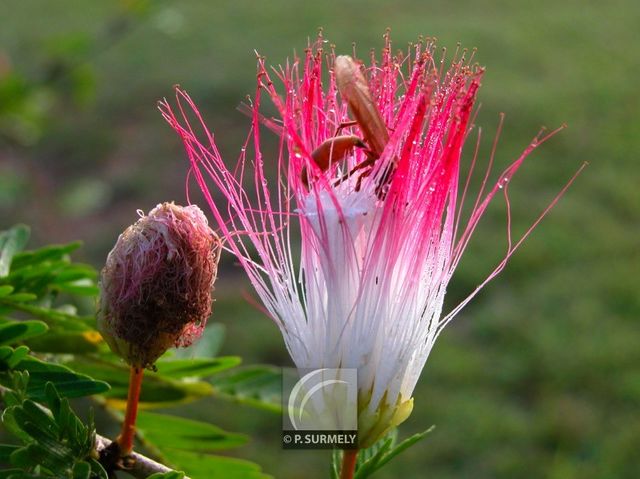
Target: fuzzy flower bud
x,y
157,282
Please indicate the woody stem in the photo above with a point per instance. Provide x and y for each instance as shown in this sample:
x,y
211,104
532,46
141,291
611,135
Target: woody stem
x,y
349,458
125,440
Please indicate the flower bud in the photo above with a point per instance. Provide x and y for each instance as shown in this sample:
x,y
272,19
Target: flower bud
x,y
157,282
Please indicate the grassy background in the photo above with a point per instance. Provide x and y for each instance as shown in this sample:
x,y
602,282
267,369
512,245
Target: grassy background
x,y
540,376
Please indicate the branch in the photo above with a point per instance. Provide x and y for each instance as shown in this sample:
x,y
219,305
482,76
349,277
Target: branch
x,y
141,467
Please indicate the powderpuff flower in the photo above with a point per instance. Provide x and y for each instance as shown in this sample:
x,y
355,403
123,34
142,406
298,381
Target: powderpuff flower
x,y
156,285
350,241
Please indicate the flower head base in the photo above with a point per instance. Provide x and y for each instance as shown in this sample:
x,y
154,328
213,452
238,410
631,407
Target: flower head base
x,y
381,226
157,282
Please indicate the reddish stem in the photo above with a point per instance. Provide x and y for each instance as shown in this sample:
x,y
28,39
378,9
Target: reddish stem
x,y
349,458
125,440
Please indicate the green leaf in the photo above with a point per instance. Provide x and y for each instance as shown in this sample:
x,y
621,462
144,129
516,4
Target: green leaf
x,y
5,353
52,316
175,432
369,459
13,474
33,419
11,242
17,356
334,467
17,331
205,466
21,297
157,390
259,386
82,470
67,382
198,367
379,449
57,340
383,451
76,279
81,287
5,452
58,443
97,470
9,423
207,346
33,454
404,445
48,253
75,272
10,357
5,290
167,475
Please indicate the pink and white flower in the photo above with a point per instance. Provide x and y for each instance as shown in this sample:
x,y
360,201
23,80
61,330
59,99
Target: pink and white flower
x,y
354,277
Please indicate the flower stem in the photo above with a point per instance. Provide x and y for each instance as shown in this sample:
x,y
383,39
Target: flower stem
x,y
349,458
125,440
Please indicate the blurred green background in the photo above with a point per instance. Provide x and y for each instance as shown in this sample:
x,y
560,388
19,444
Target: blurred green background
x,y
540,376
